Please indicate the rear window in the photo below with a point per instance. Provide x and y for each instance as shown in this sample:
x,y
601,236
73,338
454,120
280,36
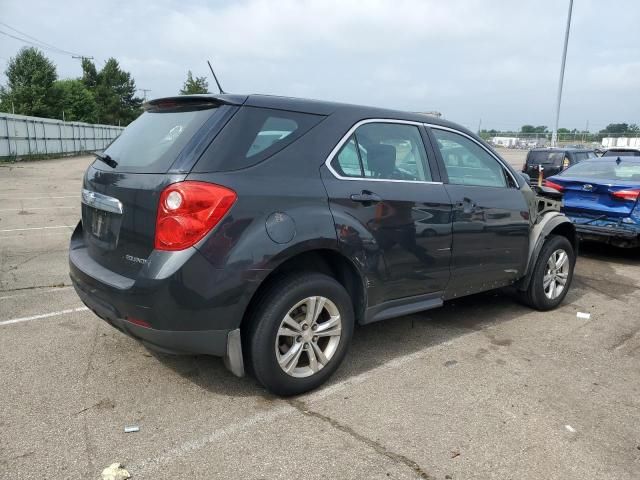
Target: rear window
x,y
609,170
152,142
621,153
252,135
545,158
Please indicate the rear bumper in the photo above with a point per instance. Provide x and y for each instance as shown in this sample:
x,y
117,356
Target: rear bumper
x,y
177,303
209,342
624,236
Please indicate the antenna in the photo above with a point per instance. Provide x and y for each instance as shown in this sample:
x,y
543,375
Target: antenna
x,y
215,78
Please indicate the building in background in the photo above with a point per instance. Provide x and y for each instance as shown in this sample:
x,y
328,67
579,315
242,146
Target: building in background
x,y
610,142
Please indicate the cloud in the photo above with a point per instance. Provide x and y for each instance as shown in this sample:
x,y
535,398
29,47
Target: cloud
x,y
497,60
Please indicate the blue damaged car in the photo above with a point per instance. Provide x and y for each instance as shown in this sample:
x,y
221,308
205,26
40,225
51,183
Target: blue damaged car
x,y
601,199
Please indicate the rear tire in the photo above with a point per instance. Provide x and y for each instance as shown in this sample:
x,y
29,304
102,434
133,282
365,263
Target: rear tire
x,y
299,332
554,265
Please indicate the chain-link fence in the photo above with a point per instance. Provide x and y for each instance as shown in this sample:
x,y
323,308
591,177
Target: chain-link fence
x,y
34,137
519,140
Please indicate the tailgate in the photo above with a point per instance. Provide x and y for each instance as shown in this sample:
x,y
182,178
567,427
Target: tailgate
x,y
119,215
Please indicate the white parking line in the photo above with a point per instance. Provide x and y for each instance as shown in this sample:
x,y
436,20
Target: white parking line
x,y
35,208
5,197
44,234
41,316
36,228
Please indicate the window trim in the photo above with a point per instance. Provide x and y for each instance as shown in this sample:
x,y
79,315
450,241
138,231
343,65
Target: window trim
x,y
504,167
352,130
348,135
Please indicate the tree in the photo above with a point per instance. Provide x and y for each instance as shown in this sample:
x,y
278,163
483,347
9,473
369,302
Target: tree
x,y
114,92
194,85
30,84
528,129
76,101
615,128
89,74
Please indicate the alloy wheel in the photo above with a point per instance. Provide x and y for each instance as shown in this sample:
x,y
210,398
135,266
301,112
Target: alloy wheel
x,y
556,274
308,336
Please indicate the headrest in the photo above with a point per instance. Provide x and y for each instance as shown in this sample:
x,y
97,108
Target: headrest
x,y
381,159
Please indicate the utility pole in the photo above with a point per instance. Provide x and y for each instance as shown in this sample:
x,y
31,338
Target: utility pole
x,y
479,126
554,135
586,131
144,92
81,57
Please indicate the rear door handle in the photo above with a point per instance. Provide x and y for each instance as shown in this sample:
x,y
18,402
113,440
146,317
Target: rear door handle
x,y
365,197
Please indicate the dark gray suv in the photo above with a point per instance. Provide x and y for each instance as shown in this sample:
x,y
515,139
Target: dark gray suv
x,y
261,229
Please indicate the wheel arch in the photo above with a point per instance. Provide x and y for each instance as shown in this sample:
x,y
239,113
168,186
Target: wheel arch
x,y
551,224
323,260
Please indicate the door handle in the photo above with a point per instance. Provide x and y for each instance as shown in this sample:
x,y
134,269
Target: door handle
x,y
365,197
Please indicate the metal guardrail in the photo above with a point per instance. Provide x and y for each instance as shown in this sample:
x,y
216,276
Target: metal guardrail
x,y
23,136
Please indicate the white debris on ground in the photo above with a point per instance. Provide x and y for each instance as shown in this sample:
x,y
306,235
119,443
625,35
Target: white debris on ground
x,y
583,315
115,471
570,428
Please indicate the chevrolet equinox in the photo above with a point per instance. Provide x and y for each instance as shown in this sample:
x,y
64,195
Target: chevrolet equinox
x,y
261,229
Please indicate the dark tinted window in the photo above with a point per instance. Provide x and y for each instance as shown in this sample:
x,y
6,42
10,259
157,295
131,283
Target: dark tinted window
x,y
385,151
545,158
580,156
252,135
467,163
152,142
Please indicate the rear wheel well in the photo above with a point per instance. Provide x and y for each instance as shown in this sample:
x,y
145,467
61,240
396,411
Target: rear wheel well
x,y
327,262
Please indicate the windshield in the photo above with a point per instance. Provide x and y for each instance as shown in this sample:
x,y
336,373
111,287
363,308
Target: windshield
x,y
154,140
545,158
626,171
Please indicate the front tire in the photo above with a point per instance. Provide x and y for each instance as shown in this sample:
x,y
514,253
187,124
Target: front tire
x,y
299,332
552,274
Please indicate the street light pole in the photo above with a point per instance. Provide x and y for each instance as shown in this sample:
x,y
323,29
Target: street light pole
x,y
554,135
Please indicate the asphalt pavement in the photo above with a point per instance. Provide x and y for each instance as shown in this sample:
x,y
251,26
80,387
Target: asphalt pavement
x,y
483,388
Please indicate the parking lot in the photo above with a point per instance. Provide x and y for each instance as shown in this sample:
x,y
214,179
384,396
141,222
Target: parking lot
x,y
483,388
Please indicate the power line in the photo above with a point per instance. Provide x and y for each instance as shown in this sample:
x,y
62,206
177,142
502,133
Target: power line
x,y
38,44
28,42
24,34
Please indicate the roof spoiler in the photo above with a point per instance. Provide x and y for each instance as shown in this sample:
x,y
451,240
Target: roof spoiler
x,y
182,103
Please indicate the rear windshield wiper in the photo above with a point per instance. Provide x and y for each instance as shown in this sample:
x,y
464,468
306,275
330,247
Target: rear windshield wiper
x,y
106,159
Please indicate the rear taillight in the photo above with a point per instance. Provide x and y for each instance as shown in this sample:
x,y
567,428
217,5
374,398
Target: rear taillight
x,y
555,186
630,194
187,211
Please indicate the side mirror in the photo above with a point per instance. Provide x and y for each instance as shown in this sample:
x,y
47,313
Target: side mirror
x,y
526,178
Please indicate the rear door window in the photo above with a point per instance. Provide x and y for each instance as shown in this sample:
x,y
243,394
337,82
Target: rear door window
x,y
253,135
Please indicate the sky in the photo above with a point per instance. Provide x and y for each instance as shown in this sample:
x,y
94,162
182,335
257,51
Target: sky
x,y
494,62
